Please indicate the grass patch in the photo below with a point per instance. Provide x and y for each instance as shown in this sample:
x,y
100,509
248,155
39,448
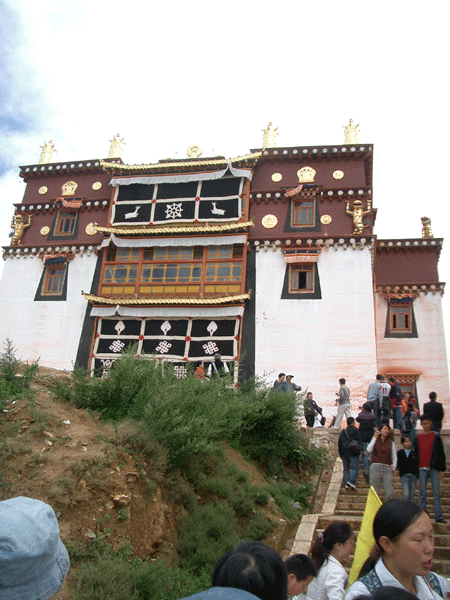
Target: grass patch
x,y
176,430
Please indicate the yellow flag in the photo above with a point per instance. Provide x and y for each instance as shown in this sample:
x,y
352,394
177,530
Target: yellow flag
x,y
365,539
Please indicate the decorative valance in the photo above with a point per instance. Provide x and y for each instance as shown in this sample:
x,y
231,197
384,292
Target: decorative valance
x,y
294,191
167,301
60,259
307,256
167,312
401,298
173,241
74,204
182,177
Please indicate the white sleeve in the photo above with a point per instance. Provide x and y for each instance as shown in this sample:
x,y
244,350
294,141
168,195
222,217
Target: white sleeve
x,y
355,590
371,444
335,584
394,456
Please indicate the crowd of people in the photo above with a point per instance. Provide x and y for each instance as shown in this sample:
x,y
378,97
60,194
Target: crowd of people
x,y
34,561
398,567
421,457
369,438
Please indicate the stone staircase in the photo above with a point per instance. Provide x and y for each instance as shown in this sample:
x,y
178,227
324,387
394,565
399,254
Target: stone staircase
x,y
349,505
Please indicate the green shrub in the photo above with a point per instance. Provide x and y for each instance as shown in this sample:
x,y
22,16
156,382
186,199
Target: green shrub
x,y
308,458
9,364
258,527
12,381
113,578
268,432
242,499
205,535
218,486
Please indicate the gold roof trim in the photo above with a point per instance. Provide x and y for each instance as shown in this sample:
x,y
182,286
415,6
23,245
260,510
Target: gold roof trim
x,y
190,163
163,230
166,301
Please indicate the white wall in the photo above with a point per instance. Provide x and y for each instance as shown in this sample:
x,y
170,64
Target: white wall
x,y
425,355
48,331
318,341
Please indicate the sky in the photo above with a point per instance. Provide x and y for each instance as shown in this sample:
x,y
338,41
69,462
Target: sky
x,y
167,75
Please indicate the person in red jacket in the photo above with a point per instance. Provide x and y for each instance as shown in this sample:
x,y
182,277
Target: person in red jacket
x,y
432,464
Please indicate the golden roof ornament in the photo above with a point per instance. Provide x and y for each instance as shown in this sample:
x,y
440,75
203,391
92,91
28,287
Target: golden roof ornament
x,y
426,227
116,147
194,151
47,152
351,133
270,134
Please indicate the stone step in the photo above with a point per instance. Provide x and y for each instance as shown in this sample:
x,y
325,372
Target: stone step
x,y
443,539
355,501
441,530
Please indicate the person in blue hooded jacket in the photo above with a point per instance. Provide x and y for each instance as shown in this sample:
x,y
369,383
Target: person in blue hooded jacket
x,y
250,571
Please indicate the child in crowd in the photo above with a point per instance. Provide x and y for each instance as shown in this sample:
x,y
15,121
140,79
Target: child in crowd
x,y
300,572
408,467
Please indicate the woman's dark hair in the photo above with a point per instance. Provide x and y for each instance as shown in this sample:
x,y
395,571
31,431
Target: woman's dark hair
x,y
391,520
254,567
391,433
336,533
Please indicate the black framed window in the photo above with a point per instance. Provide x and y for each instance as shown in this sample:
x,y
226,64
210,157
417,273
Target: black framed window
x,y
53,283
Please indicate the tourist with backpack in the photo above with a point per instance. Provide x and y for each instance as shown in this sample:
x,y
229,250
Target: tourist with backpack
x,y
409,422
403,554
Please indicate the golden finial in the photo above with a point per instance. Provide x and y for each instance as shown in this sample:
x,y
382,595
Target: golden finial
x,y
270,134
351,133
47,152
194,151
426,227
116,147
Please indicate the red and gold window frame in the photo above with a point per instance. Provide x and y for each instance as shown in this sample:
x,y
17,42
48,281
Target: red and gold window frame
x,y
189,271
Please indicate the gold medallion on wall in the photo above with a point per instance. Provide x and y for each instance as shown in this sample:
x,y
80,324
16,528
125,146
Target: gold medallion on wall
x,y
43,189
338,174
90,229
269,221
276,177
325,219
45,230
97,185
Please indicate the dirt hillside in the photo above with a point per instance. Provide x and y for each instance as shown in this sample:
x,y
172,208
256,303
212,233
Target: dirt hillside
x,y
69,458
